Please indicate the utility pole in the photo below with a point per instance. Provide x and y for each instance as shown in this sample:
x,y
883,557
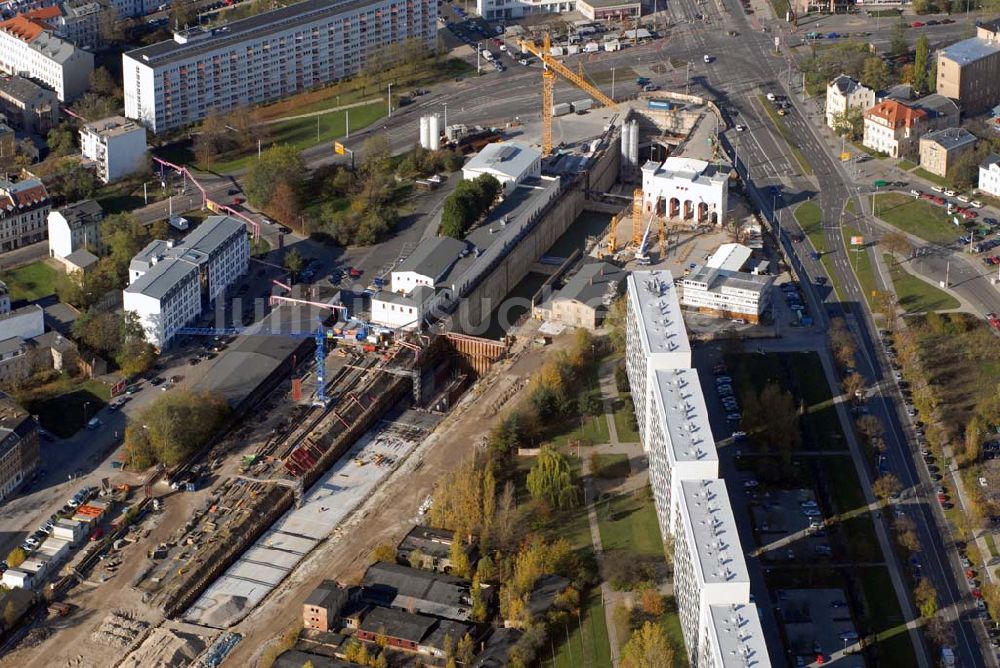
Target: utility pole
x,y
390,100
612,82
347,123
687,78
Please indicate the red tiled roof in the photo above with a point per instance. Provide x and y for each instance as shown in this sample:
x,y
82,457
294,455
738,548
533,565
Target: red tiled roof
x,y
23,28
43,13
896,114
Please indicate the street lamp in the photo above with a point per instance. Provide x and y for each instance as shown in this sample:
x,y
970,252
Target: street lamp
x,y
612,83
390,100
86,405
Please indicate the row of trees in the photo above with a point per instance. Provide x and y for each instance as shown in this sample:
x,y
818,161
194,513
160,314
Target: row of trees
x,y
470,201
173,427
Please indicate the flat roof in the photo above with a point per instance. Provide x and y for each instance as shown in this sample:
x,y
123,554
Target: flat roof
x,y
738,639
969,50
113,126
432,257
595,284
608,4
162,277
509,158
659,311
711,527
686,416
729,256
688,169
717,280
950,138
255,27
397,624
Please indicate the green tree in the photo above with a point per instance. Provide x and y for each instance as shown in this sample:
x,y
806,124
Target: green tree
x,y
16,557
875,73
850,123
175,425
886,486
294,262
899,43
926,598
459,558
921,64
384,552
648,647
278,164
465,650
964,172
182,14
102,83
61,139
10,615
551,480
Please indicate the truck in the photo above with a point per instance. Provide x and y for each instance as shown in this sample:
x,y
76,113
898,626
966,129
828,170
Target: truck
x,y
612,45
59,609
591,47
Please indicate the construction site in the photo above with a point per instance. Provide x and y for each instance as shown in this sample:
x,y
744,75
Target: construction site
x,y
337,424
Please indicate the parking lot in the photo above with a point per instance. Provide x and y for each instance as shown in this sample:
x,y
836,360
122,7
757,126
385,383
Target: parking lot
x,y
789,526
818,623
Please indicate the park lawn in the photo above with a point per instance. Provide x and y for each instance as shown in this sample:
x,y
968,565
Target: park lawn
x,y
589,429
588,643
625,422
604,77
915,216
611,466
821,417
849,207
905,164
883,617
914,294
302,132
933,178
628,523
783,130
569,523
64,405
861,263
30,282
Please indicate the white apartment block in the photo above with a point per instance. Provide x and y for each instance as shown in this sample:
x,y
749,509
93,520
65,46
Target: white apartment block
x,y
494,10
731,637
170,284
132,8
655,337
711,581
845,93
686,190
24,210
265,57
29,50
679,438
709,568
75,227
989,175
116,145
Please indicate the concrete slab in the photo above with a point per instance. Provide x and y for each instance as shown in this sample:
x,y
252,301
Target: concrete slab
x,y
345,487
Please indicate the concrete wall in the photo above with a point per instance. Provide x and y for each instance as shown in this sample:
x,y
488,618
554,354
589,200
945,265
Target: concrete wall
x,y
474,311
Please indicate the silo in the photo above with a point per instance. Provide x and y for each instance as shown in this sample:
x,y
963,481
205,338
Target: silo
x,y
425,131
434,133
626,143
633,145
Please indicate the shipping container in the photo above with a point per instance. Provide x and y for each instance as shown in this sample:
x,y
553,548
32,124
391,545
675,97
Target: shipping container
x,y
556,51
572,49
591,47
561,109
582,105
612,45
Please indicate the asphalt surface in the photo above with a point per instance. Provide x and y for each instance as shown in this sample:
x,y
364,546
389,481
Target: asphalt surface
x,y
737,78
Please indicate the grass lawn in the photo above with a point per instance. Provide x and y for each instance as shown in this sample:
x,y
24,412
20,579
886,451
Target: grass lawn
x,y
905,165
864,149
588,643
916,295
779,123
589,429
850,207
611,466
629,523
32,281
780,7
883,617
861,262
916,216
933,178
64,406
572,523
302,132
810,220
821,420
260,247
621,75
625,422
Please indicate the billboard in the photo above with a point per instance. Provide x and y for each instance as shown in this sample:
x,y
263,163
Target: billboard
x,y
857,241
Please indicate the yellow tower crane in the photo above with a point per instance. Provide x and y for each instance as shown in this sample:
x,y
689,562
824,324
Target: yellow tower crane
x,y
637,228
551,66
613,236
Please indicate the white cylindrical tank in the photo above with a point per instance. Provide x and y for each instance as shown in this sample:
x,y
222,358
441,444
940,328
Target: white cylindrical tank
x,y
434,133
425,131
626,143
633,146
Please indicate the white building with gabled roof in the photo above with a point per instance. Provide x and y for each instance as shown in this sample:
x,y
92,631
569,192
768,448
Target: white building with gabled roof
x,y
508,162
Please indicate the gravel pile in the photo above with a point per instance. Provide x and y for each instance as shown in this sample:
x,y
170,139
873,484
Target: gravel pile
x,y
119,629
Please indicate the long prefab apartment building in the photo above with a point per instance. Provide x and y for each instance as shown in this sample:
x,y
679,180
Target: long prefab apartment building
x,y
265,57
